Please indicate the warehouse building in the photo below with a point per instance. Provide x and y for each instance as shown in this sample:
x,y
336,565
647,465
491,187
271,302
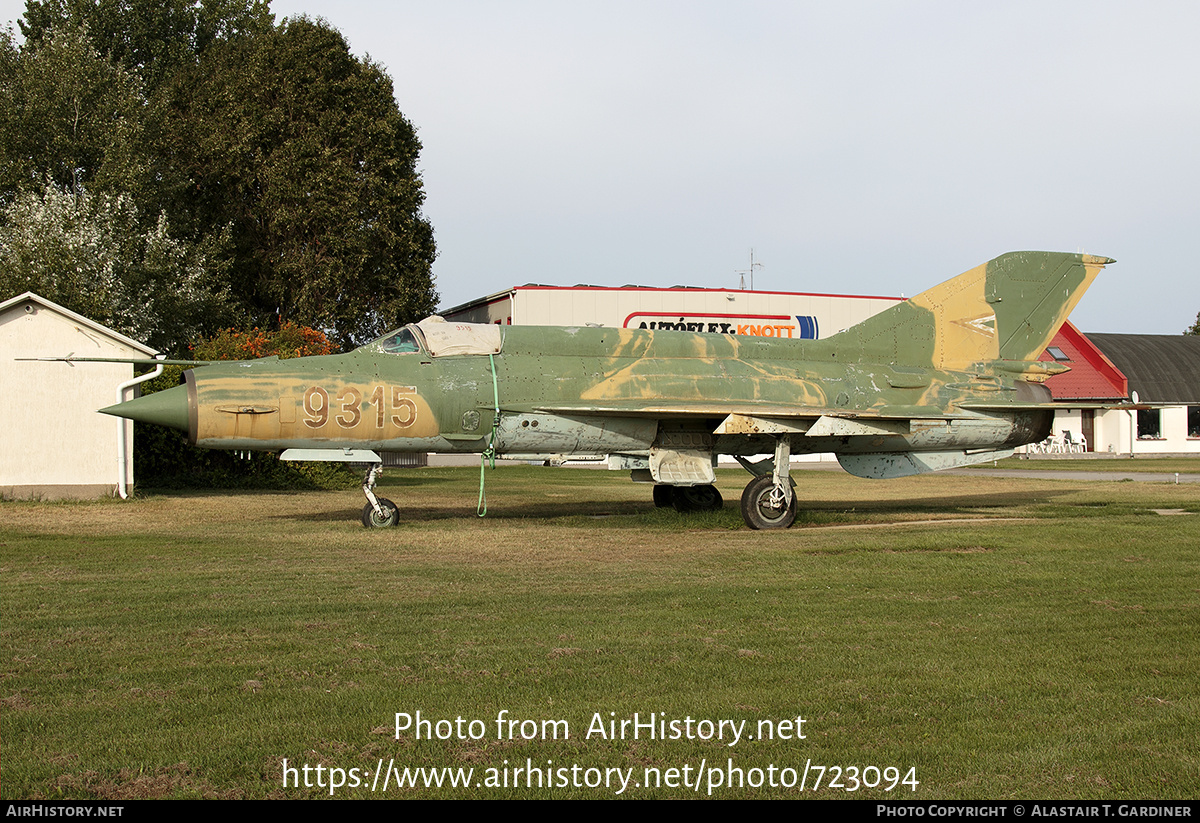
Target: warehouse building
x,y
790,315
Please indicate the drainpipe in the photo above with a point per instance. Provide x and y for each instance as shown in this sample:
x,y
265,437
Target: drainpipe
x,y
1133,395
122,441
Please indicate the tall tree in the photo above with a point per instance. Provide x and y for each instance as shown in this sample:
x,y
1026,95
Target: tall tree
x,y
77,220
69,116
95,255
272,143
150,39
1195,329
300,147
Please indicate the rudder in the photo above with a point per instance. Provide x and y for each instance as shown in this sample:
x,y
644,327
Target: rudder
x,y
1037,291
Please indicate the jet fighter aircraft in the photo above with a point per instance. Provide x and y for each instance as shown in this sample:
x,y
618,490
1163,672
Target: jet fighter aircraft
x,y
948,378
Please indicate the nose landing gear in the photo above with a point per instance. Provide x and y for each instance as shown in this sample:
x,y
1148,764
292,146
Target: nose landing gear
x,y
379,512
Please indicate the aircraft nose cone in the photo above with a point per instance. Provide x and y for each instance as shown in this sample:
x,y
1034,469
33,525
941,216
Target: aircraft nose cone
x,y
165,408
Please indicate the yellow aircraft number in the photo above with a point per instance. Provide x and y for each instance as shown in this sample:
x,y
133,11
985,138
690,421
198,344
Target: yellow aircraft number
x,y
347,406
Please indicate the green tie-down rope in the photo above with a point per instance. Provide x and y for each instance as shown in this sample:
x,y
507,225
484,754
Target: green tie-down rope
x,y
489,454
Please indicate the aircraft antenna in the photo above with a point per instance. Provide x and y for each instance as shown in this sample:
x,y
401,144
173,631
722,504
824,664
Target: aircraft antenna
x,y
749,271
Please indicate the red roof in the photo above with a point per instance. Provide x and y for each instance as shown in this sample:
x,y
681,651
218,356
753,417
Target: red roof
x,y
1092,375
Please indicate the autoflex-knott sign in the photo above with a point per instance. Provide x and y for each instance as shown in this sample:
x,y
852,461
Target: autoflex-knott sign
x,y
752,325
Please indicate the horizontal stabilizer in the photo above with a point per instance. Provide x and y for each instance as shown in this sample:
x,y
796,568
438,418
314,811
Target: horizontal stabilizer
x,y
1059,406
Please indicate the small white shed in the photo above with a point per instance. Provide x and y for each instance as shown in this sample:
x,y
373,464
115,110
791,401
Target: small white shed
x,y
53,444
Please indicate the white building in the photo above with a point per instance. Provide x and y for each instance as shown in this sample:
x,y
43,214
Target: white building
x,y
53,444
1163,373
1127,394
723,311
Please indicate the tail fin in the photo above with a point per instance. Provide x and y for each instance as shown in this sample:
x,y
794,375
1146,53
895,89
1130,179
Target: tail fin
x,y
1007,309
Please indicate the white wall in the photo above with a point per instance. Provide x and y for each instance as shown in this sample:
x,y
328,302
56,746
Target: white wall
x,y
1116,431
52,441
1174,439
617,307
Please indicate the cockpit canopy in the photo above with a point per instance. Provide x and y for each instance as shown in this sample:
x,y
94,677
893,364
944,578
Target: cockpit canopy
x,y
442,339
399,342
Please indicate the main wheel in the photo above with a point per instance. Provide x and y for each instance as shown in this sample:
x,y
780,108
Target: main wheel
x,y
391,514
663,496
696,498
762,505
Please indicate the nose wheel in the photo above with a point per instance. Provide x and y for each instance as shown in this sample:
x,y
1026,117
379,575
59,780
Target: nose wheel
x,y
389,514
379,512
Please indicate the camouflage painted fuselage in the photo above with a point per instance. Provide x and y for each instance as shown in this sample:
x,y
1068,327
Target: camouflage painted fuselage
x,y
951,371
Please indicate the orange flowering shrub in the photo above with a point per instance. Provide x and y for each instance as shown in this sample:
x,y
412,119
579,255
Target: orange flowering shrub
x,y
289,340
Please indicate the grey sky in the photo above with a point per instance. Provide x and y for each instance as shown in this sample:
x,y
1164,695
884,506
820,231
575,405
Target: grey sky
x,y
868,148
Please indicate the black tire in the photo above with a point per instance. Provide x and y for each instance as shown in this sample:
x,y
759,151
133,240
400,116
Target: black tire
x,y
663,496
373,521
696,498
757,508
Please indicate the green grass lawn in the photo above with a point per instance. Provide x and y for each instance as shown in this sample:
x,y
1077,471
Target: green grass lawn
x,y
1183,465
986,637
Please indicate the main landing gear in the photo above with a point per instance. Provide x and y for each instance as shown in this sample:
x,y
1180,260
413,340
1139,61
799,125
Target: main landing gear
x,y
379,511
686,499
769,500
766,506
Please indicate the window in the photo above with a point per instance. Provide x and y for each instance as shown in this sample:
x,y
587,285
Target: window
x,y
401,342
1058,354
1149,424
1193,421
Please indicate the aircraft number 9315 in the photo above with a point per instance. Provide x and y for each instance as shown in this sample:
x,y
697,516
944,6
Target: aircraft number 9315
x,y
347,406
